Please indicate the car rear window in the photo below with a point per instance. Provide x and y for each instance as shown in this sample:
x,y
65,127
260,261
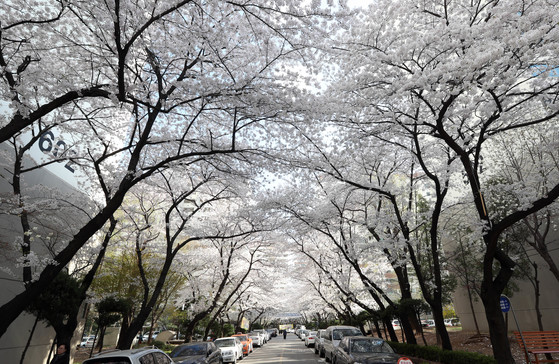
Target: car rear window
x,y
225,343
189,350
339,333
370,346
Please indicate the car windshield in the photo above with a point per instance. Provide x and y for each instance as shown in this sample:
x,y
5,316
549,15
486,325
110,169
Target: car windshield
x,y
225,343
114,360
339,333
188,350
370,346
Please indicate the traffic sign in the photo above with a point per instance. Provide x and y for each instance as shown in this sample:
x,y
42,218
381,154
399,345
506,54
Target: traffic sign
x,y
404,361
505,304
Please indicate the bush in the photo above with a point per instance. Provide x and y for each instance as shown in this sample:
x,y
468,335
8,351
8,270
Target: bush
x,y
437,354
158,344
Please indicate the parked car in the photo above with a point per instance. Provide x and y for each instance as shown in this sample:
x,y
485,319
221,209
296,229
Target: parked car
x,y
310,339
247,343
318,349
360,349
231,348
145,336
265,334
303,334
257,339
452,322
430,323
87,341
332,338
396,324
197,353
134,356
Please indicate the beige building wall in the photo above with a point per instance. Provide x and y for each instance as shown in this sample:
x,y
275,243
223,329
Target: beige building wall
x,y
13,342
523,301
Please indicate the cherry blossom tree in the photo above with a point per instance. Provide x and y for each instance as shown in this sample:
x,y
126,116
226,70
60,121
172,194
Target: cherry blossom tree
x,y
442,80
531,160
140,88
332,234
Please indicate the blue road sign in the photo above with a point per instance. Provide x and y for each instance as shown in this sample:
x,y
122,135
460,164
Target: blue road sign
x,y
505,304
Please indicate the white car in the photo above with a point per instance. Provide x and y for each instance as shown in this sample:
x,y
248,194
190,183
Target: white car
x,y
265,334
135,356
231,348
87,341
452,322
257,338
310,339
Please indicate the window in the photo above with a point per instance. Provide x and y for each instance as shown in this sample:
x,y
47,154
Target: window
x,y
147,359
189,350
339,333
108,361
161,358
370,346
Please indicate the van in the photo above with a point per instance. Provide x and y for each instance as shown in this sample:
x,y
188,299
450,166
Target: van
x,y
332,337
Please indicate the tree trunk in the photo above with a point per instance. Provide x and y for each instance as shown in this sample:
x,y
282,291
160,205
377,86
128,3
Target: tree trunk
x,y
189,331
536,284
438,317
95,341
101,338
408,330
390,329
470,299
421,329
377,328
29,340
497,330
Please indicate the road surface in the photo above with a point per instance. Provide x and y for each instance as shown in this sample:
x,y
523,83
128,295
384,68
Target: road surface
x,y
292,350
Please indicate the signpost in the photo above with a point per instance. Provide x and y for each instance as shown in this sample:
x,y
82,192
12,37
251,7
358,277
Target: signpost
x,y
506,306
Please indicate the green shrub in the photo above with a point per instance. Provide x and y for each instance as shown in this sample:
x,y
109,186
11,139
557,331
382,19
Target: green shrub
x,y
433,353
158,344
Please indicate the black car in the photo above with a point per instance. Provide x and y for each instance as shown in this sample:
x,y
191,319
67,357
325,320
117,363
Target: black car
x,y
365,350
197,353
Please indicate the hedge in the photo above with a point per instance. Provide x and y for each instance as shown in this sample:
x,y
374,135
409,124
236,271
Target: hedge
x,y
434,353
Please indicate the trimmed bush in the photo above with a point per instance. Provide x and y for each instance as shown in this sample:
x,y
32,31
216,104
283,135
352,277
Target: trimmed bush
x,y
434,353
158,344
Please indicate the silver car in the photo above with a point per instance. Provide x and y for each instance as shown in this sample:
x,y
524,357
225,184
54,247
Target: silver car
x,y
319,339
332,338
135,356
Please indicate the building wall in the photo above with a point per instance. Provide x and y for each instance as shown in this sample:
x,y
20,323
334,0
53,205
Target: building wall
x,y
523,301
13,342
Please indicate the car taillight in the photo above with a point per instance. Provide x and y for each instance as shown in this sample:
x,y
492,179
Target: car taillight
x,y
310,337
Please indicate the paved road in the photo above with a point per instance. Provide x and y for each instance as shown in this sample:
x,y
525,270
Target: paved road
x,y
280,351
